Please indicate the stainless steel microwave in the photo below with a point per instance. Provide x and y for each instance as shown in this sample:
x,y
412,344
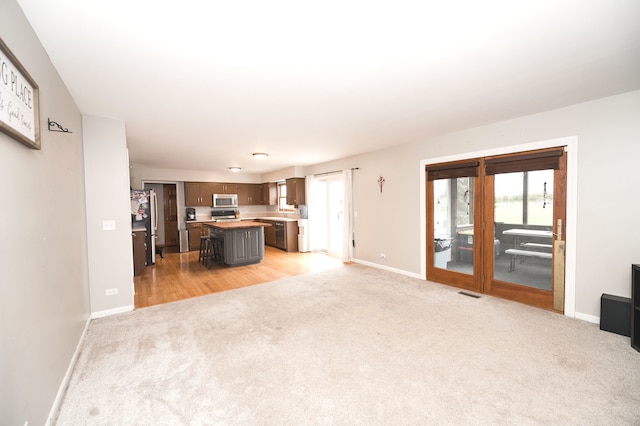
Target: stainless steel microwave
x,y
225,200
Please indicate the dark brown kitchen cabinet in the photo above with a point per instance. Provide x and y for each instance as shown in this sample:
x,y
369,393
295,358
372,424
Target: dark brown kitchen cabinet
x,y
295,191
196,230
224,188
269,194
281,234
198,194
249,194
291,236
270,235
139,251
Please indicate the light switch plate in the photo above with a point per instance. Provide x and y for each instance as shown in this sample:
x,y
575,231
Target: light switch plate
x,y
108,225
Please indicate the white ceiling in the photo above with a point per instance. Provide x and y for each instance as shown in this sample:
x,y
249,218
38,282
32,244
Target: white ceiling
x,y
202,84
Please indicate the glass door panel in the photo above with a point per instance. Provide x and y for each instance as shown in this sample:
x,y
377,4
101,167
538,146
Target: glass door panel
x,y
453,224
525,201
454,254
328,193
523,216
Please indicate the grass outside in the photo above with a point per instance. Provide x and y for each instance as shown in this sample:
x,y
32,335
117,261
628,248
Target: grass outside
x,y
511,212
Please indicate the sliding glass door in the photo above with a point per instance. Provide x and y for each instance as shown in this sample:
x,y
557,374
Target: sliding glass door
x,y
328,201
525,209
452,193
495,225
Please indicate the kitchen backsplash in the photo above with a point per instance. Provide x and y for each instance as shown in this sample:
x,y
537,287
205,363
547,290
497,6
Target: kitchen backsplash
x,y
204,213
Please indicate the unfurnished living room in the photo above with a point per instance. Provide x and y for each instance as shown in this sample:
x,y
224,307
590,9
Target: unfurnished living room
x,y
319,212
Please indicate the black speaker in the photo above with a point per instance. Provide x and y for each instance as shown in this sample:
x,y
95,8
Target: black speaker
x,y
615,314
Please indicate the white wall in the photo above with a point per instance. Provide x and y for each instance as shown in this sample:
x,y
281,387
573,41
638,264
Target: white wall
x,y
608,131
108,199
44,292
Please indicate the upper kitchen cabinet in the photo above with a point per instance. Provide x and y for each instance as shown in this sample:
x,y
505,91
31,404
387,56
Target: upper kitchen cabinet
x,y
224,188
295,191
198,194
249,194
269,194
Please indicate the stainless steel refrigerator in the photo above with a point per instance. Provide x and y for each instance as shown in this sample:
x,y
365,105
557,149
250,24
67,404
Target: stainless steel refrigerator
x,y
144,212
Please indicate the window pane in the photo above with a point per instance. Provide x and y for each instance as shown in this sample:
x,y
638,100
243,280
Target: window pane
x,y
523,254
508,193
540,198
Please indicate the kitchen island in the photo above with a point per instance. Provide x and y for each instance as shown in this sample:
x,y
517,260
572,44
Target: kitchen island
x,y
239,243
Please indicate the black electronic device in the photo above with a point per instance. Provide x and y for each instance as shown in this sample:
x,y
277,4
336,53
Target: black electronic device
x,y
615,314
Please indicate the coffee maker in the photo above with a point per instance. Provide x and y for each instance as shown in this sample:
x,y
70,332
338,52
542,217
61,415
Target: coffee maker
x,y
191,213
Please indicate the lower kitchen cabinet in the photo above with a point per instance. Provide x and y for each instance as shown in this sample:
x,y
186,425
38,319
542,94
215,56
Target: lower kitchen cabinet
x,y
291,236
196,230
247,246
241,246
281,234
270,236
139,251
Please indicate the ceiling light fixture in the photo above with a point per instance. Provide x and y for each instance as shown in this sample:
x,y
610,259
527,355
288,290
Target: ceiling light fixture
x,y
260,155
235,169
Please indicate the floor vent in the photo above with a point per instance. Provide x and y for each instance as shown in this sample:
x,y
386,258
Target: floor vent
x,y
464,293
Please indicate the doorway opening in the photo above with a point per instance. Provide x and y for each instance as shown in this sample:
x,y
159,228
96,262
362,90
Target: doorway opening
x,y
167,214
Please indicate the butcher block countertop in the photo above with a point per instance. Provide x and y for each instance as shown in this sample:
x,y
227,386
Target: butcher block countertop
x,y
235,225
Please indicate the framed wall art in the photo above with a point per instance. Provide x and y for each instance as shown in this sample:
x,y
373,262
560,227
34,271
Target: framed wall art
x,y
19,101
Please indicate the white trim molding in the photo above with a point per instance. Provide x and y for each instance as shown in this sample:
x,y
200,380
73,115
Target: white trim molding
x,y
109,312
588,318
62,389
387,268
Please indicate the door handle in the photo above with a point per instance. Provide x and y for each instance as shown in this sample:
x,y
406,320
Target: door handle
x,y
559,229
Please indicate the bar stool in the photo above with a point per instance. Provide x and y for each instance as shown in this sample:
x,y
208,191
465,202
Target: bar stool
x,y
215,251
205,250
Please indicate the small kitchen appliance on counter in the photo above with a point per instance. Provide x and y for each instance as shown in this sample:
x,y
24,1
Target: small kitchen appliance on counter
x,y
191,213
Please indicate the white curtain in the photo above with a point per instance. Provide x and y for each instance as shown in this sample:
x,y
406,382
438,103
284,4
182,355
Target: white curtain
x,y
347,222
309,195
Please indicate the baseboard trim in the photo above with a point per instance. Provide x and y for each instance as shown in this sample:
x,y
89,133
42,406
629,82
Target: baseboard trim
x,y
62,389
109,312
587,317
387,268
584,317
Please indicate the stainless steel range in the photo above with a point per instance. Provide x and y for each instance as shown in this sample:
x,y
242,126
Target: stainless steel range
x,y
224,216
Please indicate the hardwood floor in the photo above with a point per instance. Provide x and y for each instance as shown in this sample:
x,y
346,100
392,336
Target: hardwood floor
x,y
180,276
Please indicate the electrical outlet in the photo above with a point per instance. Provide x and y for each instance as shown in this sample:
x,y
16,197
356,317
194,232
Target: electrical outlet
x,y
111,291
108,225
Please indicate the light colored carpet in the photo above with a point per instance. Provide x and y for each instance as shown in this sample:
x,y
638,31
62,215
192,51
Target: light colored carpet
x,y
350,346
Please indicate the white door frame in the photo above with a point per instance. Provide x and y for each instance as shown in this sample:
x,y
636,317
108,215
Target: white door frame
x,y
571,143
